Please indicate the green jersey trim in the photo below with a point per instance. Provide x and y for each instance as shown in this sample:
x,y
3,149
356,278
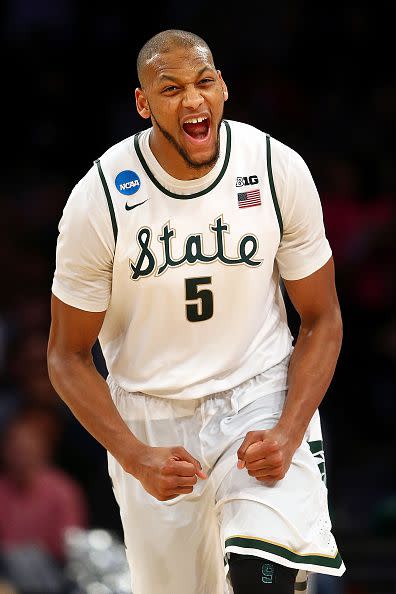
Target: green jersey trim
x,y
272,186
184,196
276,549
108,198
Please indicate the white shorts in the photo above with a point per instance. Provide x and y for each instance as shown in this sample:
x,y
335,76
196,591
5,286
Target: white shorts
x,y
180,546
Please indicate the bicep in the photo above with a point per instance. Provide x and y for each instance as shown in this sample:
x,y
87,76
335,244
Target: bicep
x,y
315,296
73,331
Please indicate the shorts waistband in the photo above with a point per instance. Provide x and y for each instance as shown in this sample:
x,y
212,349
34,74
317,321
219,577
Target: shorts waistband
x,y
241,395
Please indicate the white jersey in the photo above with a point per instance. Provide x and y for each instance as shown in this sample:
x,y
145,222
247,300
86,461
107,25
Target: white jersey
x,y
189,271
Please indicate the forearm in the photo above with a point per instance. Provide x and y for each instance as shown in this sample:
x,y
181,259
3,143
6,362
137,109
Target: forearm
x,y
87,395
311,370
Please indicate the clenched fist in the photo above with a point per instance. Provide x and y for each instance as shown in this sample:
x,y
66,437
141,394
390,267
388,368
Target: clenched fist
x,y
266,455
166,473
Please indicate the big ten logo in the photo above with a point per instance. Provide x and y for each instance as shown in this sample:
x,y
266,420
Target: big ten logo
x,y
246,181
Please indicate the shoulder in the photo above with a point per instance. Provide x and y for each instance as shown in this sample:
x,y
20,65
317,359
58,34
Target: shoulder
x,y
289,170
90,184
118,148
286,158
243,131
91,180
85,208
282,155
88,195
119,153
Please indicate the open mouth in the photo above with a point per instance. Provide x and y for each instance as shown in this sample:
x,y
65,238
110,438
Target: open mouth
x,y
197,128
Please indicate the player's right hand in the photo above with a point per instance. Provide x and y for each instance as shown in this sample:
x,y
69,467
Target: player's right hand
x,y
166,473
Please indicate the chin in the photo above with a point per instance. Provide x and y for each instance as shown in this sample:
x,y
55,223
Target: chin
x,y
203,159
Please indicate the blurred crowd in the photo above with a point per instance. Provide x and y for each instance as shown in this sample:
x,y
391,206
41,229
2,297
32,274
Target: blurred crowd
x,y
321,82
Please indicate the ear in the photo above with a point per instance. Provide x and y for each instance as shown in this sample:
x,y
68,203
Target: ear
x,y
224,86
142,105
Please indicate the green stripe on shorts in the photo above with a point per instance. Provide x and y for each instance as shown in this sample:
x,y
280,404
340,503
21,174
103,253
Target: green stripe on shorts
x,y
276,549
316,446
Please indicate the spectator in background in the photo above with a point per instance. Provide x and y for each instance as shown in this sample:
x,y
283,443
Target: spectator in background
x,y
25,385
38,502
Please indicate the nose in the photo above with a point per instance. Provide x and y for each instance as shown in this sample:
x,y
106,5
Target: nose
x,y
192,97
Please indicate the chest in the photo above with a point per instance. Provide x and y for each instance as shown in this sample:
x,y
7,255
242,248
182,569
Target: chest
x,y
233,224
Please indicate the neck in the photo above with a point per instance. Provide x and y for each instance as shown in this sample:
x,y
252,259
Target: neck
x,y
172,161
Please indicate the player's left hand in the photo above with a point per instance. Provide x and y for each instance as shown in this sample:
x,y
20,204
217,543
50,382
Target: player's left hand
x,y
266,455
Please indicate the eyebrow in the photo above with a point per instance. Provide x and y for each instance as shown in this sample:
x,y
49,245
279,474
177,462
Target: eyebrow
x,y
164,77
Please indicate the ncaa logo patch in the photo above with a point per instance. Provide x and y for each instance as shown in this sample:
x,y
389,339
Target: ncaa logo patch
x,y
127,182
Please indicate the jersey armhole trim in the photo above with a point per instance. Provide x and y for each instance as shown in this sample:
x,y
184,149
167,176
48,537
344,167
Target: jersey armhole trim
x,y
108,198
272,186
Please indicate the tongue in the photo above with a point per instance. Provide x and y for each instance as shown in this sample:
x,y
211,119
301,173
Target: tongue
x,y
198,130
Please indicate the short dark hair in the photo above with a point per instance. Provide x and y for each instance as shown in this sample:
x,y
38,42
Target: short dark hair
x,y
166,41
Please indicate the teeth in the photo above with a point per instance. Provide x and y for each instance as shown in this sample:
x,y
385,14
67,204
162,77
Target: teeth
x,y
195,121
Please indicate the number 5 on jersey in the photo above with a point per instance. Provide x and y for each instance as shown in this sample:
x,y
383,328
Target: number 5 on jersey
x,y
203,309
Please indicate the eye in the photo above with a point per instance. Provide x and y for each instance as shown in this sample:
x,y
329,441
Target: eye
x,y
169,89
205,81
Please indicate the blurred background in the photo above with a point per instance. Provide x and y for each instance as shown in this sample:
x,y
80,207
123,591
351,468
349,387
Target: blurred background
x,y
319,78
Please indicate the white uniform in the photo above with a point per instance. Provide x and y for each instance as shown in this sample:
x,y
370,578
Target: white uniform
x,y
189,273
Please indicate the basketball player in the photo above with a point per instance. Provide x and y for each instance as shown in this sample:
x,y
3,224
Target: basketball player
x,y
172,249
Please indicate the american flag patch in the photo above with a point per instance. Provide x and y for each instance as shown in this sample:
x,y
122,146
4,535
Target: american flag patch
x,y
251,198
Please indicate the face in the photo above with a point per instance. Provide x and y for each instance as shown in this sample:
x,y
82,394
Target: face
x,y
184,95
24,452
